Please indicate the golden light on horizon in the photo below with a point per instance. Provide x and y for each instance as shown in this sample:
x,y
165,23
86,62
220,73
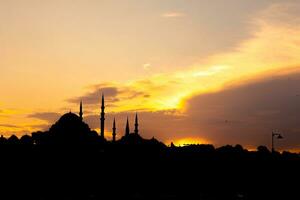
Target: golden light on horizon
x,y
189,141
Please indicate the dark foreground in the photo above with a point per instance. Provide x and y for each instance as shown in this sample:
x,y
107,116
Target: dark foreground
x,y
119,171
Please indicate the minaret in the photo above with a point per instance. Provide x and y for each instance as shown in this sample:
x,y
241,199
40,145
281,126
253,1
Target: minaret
x,y
80,111
127,128
114,131
102,118
136,125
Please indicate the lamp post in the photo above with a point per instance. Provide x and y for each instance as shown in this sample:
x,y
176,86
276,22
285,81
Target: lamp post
x,y
276,135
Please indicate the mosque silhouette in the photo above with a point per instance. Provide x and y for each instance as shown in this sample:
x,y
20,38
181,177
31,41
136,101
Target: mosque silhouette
x,y
71,129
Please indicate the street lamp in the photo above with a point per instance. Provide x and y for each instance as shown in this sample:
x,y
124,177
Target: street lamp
x,y
278,136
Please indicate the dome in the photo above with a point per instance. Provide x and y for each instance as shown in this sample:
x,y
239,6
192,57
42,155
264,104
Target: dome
x,y
69,117
70,127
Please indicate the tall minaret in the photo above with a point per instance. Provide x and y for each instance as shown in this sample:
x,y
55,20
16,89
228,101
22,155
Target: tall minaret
x,y
80,111
102,118
127,128
136,125
114,131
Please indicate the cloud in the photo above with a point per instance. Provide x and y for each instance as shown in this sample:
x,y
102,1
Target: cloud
x,y
6,113
9,126
247,114
49,117
146,66
94,97
173,14
41,127
116,96
274,43
282,14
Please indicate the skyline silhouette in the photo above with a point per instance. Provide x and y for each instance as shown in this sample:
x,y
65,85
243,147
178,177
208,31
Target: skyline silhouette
x,y
127,132
71,161
64,126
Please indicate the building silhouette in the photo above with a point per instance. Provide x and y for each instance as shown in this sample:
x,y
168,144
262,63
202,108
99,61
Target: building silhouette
x,y
136,125
114,131
127,130
102,118
69,129
81,111
102,121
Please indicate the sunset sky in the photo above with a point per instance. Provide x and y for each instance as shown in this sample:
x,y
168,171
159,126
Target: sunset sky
x,y
196,71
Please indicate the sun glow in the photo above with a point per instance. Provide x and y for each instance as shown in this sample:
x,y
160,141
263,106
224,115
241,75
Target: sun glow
x,y
189,141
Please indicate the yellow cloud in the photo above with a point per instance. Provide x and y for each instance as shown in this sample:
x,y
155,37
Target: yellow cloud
x,y
146,66
173,14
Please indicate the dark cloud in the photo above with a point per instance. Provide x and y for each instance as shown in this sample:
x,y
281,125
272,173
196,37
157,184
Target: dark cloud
x,y
133,94
94,97
9,126
42,127
249,113
49,117
112,95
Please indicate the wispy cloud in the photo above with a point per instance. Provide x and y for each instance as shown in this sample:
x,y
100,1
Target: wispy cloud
x,y
274,44
117,96
94,96
9,126
49,117
173,14
146,66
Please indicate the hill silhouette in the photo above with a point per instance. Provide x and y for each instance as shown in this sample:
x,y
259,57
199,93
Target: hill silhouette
x,y
71,161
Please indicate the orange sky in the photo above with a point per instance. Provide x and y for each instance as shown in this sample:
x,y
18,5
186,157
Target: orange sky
x,y
153,57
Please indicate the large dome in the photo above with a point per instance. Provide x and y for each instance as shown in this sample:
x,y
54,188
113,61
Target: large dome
x,y
70,127
69,117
